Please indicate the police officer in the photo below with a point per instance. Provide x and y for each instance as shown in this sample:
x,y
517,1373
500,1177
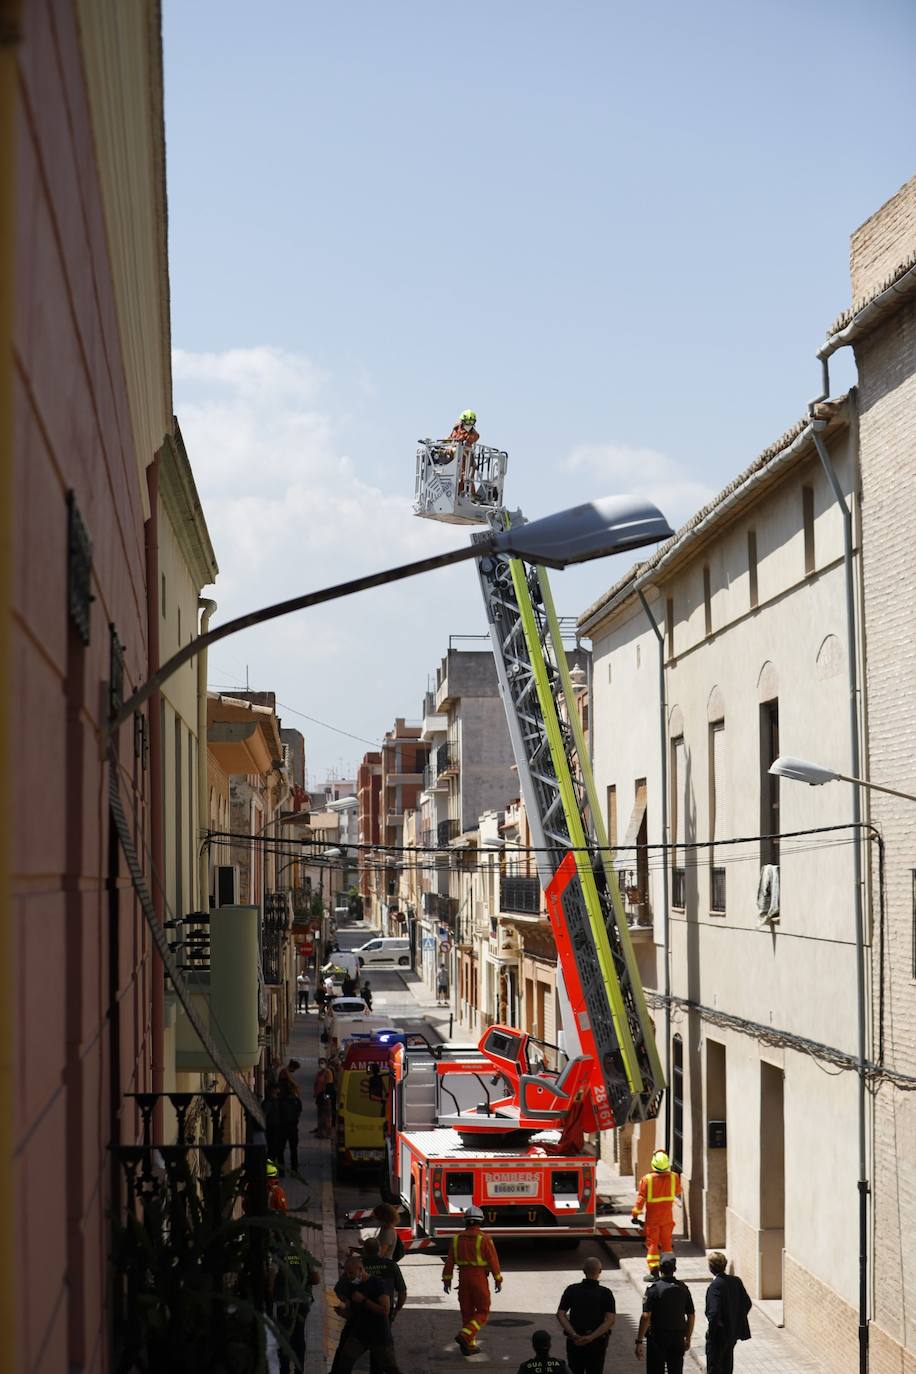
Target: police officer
x,y
668,1317
543,1362
475,1256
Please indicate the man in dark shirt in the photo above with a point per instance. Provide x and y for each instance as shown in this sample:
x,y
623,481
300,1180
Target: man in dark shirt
x,y
543,1362
378,1266
586,1313
727,1306
668,1316
366,1305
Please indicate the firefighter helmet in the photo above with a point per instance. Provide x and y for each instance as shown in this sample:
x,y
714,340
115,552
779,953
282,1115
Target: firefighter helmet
x,y
272,1169
473,1216
660,1162
469,417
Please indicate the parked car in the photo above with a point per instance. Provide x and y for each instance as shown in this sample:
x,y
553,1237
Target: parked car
x,y
393,949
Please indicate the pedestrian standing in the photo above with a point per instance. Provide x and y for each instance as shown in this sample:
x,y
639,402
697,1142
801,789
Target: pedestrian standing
x,y
474,1255
543,1362
292,1301
273,1123
442,987
387,1233
348,986
320,998
365,1304
657,1192
304,988
367,993
378,1267
727,1306
320,1083
290,1112
587,1313
666,1324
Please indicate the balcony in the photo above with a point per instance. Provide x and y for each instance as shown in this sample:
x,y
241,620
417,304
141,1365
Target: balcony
x,y
520,894
446,758
446,831
635,898
431,780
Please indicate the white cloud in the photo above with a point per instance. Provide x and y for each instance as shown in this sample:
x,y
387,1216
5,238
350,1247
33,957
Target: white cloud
x,y
614,468
289,511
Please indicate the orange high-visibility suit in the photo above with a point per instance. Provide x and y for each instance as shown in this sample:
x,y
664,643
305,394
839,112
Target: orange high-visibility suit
x,y
656,1193
475,1255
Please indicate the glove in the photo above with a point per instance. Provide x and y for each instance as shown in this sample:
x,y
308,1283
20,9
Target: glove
x,y
446,1286
498,1287
636,1219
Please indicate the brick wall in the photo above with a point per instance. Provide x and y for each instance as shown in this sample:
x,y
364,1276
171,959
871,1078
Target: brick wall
x,y
887,402
883,242
821,1318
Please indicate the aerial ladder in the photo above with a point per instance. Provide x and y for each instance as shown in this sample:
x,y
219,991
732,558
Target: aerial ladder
x,y
608,1033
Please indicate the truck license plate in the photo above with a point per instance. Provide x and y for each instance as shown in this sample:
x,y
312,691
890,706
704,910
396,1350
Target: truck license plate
x,y
512,1185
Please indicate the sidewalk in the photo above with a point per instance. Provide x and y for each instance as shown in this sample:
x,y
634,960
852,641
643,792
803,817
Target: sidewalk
x,y
313,1199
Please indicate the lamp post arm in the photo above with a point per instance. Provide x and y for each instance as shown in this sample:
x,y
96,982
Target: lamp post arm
x,y
297,603
876,787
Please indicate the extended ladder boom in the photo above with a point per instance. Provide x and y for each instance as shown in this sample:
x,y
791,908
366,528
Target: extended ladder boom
x,y
611,1020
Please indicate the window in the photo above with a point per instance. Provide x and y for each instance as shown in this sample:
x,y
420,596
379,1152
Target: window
x,y
752,566
718,810
678,823
612,817
677,1103
669,623
707,599
769,785
808,523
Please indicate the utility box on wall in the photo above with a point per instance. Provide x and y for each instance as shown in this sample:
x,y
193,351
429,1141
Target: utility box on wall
x,y
227,996
716,1135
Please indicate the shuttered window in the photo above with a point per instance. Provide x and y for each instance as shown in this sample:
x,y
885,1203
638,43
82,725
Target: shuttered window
x,y
719,814
679,822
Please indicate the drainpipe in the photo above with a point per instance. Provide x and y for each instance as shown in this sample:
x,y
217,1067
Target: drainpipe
x,y
154,721
666,907
817,426
10,116
206,608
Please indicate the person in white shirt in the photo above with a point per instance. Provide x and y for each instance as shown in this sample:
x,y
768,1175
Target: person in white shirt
x,y
303,987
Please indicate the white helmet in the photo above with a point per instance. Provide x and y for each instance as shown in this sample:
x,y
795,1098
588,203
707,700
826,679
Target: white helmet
x,y
472,1215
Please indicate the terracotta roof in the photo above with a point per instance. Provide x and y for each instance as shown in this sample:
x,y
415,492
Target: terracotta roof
x,y
847,316
826,410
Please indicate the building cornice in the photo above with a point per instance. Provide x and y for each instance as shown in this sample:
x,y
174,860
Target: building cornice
x,y
183,508
794,446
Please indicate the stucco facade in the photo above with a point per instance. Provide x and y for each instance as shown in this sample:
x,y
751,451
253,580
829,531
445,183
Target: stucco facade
x,y
751,601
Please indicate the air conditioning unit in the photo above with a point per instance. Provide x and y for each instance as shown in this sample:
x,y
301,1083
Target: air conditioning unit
x,y
226,885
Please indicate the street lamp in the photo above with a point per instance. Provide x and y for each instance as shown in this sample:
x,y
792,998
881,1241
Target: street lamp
x,y
815,775
611,524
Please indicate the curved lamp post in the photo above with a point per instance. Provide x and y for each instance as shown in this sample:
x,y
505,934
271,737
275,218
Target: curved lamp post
x,y
611,524
815,775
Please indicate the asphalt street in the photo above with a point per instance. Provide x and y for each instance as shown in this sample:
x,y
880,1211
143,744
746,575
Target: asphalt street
x,y
536,1272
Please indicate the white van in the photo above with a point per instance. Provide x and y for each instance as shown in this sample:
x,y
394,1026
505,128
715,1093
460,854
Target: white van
x,y
392,949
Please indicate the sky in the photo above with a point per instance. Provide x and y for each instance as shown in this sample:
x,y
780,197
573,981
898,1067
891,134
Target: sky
x,y
617,232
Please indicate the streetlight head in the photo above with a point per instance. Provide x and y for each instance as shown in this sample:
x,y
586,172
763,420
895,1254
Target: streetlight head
x,y
801,770
611,524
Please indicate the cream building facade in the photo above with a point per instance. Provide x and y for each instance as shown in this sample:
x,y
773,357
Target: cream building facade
x,y
750,600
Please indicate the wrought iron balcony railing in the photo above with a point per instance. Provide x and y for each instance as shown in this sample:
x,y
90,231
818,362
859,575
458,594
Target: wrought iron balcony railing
x,y
449,830
521,894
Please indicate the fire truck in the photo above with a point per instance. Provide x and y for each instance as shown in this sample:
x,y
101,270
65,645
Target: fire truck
x,y
502,1124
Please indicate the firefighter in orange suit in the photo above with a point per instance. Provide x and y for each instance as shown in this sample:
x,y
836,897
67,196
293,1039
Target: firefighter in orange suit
x,y
475,1255
656,1194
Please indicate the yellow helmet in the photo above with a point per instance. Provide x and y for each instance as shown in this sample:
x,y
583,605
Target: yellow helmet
x,y
469,417
660,1161
272,1169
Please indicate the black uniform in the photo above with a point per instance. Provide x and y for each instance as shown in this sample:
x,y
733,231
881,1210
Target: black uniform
x,y
727,1306
586,1304
365,1330
669,1304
